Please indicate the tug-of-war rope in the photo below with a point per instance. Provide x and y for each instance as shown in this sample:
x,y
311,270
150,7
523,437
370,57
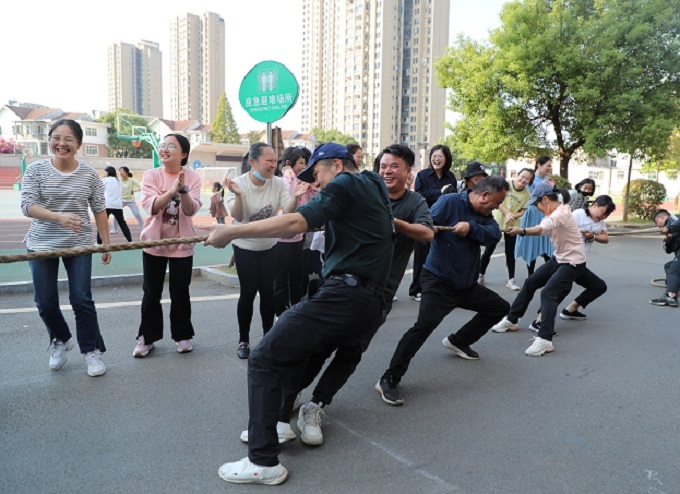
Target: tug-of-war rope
x,y
100,249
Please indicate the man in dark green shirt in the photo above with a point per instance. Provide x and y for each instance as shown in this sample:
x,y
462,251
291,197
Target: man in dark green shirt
x,y
354,208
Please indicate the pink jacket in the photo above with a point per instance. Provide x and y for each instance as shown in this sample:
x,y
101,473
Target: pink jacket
x,y
155,183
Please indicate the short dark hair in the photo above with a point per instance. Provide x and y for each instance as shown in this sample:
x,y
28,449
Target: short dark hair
x,y
533,174
448,158
292,154
353,148
659,212
491,184
400,151
74,126
183,144
583,182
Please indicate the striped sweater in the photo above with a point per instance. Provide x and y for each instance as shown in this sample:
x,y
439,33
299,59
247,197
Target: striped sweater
x,y
43,185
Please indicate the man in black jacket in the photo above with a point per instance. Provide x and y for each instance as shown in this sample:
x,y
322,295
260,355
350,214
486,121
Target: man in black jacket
x,y
670,227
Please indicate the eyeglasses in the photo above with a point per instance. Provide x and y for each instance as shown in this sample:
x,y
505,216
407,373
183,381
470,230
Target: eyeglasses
x,y
169,147
66,139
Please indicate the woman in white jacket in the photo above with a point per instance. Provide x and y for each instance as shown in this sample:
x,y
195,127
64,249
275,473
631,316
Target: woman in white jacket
x,y
113,193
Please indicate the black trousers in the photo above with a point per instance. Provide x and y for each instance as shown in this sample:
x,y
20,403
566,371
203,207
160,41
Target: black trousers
x,y
256,271
438,300
288,284
510,241
333,315
151,327
420,253
556,281
672,269
118,214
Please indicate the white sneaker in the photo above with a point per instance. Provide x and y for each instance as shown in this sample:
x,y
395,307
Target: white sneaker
x,y
296,403
395,298
512,285
480,280
283,429
309,423
58,351
95,366
416,297
504,326
245,472
539,347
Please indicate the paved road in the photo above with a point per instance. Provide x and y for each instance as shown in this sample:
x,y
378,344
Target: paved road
x,y
599,415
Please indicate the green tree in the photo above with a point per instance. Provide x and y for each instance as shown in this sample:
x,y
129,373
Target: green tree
x,y
253,137
223,128
332,136
121,148
555,75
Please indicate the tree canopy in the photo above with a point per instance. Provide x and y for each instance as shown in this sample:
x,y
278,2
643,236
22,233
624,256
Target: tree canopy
x,y
224,128
332,136
564,75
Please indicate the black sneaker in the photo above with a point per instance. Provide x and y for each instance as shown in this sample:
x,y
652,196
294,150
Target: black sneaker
x,y
535,326
243,351
389,390
665,300
573,316
462,351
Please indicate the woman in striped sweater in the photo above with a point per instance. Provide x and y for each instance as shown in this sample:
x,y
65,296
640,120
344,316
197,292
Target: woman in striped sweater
x,y
56,194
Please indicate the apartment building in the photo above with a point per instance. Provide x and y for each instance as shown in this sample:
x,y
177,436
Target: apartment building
x,y
135,80
197,66
368,70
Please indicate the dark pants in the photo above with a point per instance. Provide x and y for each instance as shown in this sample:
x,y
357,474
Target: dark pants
x,y
420,253
118,214
672,269
46,296
438,300
312,266
151,327
556,280
288,284
256,271
531,267
333,315
510,241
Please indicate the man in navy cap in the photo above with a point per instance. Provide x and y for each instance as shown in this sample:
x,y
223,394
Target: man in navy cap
x,y
556,276
354,207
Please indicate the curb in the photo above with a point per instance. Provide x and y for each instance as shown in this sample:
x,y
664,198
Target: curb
x,y
211,274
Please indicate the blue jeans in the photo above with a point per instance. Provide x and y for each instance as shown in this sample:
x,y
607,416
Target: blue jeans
x,y
46,296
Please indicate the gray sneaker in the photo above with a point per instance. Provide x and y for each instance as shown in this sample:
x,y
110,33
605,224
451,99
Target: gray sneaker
x,y
309,423
58,351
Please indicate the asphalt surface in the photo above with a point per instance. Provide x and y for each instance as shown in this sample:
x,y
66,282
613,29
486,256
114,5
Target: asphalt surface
x,y
601,414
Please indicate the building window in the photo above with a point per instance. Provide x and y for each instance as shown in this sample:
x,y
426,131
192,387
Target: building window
x,y
90,131
595,175
620,175
91,150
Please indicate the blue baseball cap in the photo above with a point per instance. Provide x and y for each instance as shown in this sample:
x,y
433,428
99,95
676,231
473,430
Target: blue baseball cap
x,y
541,190
324,152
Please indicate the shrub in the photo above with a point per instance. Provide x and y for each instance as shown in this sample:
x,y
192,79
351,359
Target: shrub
x,y
645,198
561,182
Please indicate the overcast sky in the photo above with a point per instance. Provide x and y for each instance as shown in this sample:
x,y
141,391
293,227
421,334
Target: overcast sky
x,y
55,53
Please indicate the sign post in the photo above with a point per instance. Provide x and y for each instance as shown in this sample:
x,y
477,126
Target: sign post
x,y
267,92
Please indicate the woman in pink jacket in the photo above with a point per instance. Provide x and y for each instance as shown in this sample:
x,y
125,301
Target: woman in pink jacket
x,y
171,195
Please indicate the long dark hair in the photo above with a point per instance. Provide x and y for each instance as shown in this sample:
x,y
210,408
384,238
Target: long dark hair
x,y
542,160
127,170
219,188
111,172
448,158
74,126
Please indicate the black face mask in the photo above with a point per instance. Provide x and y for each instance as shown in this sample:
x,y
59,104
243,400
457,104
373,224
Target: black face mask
x,y
587,194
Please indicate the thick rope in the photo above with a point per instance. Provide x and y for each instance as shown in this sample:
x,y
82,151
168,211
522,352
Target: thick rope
x,y
96,249
100,249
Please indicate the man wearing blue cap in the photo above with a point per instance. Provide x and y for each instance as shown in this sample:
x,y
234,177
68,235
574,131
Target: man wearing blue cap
x,y
354,207
555,277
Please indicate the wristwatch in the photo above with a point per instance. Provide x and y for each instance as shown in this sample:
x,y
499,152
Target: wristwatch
x,y
184,190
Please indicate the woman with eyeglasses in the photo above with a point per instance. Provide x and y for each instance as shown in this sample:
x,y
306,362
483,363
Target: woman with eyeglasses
x,y
113,192
171,195
56,194
254,196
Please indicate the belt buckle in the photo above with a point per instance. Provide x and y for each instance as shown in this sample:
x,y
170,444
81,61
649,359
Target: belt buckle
x,y
350,280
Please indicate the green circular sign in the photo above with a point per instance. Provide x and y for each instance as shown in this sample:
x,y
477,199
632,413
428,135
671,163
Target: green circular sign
x,y
268,91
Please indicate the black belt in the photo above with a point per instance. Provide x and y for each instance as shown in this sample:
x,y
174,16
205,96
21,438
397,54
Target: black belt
x,y
353,280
